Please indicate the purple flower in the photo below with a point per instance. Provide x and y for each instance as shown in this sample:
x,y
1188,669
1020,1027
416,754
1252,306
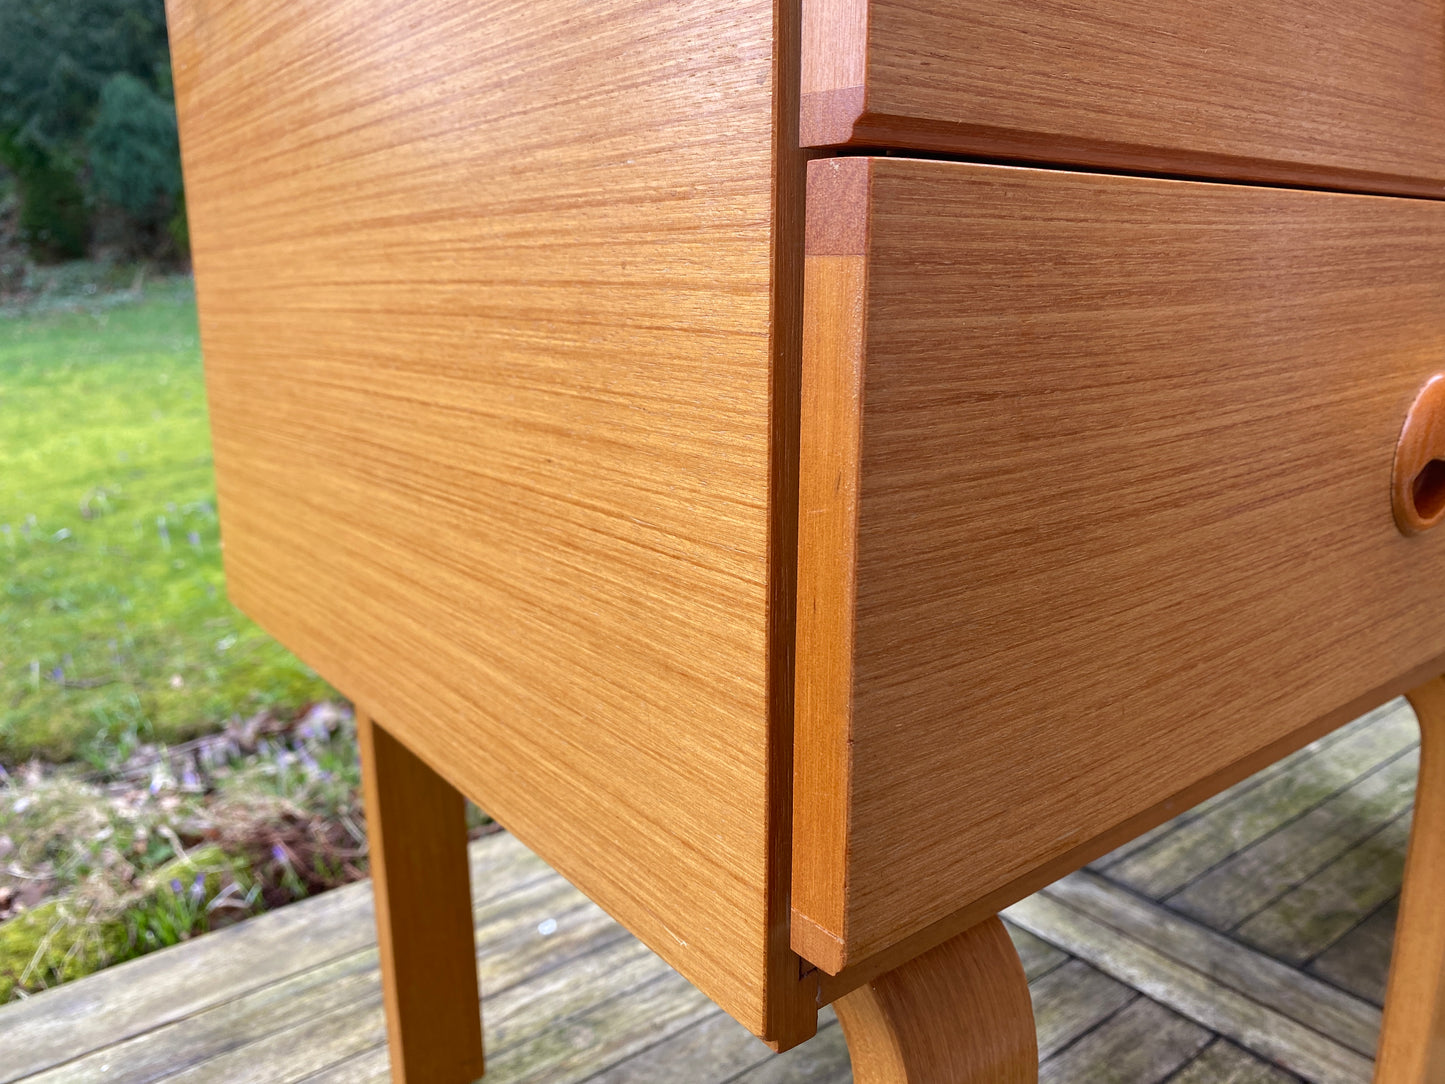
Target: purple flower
x,y
279,853
198,888
176,886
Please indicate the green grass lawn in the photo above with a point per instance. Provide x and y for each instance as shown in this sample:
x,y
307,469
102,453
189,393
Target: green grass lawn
x,y
114,624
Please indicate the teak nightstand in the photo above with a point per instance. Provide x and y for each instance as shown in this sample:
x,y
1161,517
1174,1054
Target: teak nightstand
x,y
817,472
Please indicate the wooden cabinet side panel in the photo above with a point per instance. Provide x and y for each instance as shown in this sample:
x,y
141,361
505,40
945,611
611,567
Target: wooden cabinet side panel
x,y
486,297
1123,513
1334,94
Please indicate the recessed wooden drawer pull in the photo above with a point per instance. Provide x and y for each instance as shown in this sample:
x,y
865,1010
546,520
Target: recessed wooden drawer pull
x,y
1417,483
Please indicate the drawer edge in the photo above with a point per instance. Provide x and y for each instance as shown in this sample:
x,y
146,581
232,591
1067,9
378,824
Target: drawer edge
x,y
834,316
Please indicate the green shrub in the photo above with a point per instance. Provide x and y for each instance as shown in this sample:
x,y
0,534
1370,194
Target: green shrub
x,y
53,220
86,119
179,227
134,153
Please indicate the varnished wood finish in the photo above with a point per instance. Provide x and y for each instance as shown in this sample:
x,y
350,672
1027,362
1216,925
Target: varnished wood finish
x,y
500,327
1417,483
417,831
1412,1039
1115,496
501,309
1336,94
958,1014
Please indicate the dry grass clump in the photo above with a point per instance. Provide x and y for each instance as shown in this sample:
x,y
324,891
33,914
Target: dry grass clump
x,y
96,868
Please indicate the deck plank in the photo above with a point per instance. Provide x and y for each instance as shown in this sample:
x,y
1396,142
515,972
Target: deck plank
x,y
231,1033
165,987
589,1019
232,1025
1312,917
608,1032
1143,1043
1071,1000
1360,960
718,1046
1038,957
1221,1062
821,1060
1230,893
515,1014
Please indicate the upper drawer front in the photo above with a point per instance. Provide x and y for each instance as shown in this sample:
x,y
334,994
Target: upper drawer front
x,y
1297,91
1095,507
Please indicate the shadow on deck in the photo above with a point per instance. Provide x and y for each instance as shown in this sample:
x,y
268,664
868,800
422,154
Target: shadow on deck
x,y
1245,941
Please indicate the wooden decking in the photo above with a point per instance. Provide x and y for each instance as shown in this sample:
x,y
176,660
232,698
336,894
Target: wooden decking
x,y
1246,941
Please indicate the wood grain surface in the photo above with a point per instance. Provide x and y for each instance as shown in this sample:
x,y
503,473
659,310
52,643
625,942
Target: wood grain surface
x,y
1111,487
1328,93
504,435
1412,1038
416,828
960,1013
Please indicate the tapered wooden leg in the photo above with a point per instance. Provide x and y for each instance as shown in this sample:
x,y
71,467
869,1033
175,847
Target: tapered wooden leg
x,y
959,1014
416,823
1412,1040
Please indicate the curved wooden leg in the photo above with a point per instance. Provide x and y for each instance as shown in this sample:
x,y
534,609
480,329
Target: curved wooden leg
x,y
1412,1040
417,824
959,1014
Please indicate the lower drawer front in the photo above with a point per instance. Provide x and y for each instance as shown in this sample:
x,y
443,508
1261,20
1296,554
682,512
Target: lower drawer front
x,y
1095,513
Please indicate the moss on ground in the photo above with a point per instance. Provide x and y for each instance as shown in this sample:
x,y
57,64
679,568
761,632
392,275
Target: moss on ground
x,y
54,943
